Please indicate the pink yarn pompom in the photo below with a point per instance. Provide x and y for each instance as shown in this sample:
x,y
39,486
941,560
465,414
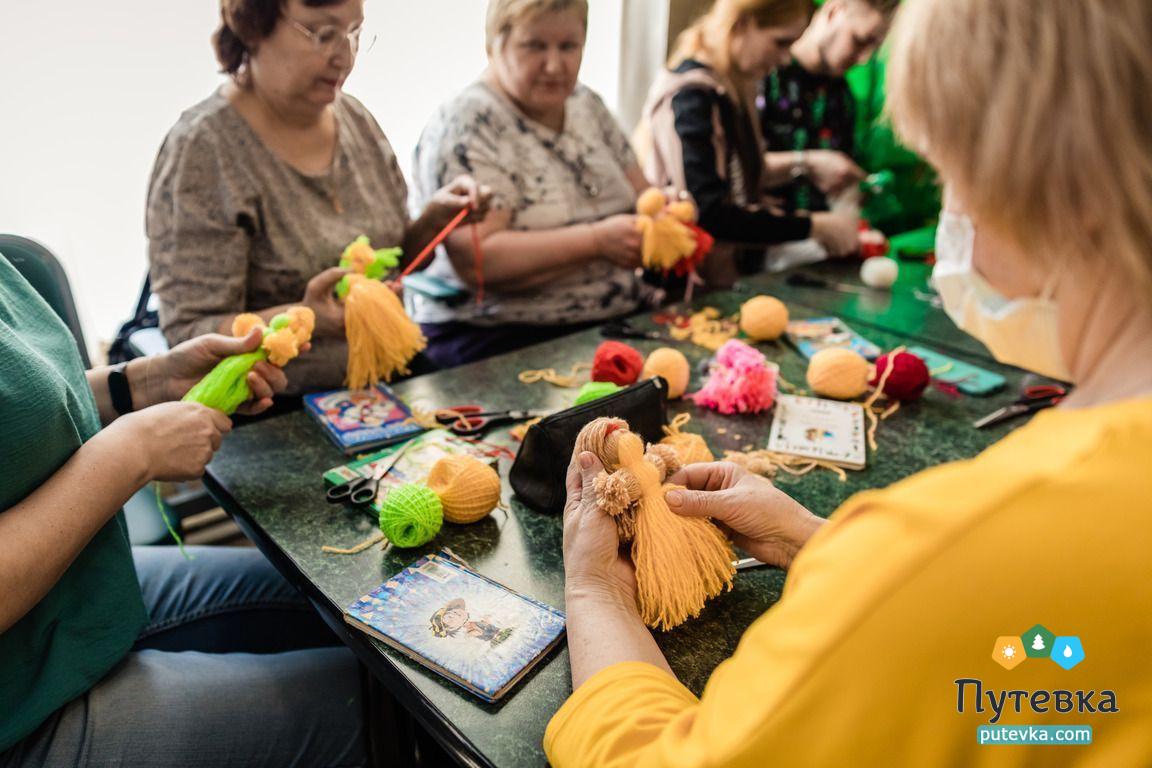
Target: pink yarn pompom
x,y
741,381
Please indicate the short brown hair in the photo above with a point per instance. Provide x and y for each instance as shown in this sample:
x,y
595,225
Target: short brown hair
x,y
243,24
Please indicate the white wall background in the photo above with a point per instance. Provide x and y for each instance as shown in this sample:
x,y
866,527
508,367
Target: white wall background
x,y
88,90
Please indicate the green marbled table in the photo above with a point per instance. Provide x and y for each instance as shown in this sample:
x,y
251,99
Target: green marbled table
x,y
268,476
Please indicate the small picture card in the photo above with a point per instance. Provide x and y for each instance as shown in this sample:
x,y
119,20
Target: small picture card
x,y
813,428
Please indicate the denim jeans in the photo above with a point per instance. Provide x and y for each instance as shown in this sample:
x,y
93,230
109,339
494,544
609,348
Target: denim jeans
x,y
235,669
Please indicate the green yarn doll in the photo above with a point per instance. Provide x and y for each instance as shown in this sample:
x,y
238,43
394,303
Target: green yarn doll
x,y
225,388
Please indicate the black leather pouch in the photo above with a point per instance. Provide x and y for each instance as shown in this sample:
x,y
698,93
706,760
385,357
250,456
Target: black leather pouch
x,y
539,472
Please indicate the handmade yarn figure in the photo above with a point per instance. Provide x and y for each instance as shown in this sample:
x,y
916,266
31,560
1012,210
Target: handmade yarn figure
x,y
382,339
681,562
672,242
225,388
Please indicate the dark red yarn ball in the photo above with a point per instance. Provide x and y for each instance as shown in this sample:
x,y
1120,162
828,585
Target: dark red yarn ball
x,y
617,363
908,379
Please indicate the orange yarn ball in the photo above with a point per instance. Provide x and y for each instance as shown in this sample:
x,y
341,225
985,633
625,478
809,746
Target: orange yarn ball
x,y
763,318
468,488
838,373
671,365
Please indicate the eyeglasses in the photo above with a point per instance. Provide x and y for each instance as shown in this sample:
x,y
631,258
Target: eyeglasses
x,y
328,38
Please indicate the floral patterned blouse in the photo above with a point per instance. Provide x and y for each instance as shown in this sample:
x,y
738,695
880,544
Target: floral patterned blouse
x,y
547,180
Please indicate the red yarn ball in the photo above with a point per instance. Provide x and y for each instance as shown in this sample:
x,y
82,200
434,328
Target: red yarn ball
x,y
908,379
617,363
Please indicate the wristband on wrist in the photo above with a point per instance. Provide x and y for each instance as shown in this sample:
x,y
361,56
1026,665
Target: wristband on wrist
x,y
119,389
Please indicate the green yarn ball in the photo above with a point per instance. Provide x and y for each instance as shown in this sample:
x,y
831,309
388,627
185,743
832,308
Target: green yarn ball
x,y
411,515
594,390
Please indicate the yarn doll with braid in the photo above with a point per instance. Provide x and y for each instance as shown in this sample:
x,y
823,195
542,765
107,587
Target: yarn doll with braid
x,y
382,339
225,388
681,562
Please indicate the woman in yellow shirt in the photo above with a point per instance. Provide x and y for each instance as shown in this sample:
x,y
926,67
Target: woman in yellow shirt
x,y
898,639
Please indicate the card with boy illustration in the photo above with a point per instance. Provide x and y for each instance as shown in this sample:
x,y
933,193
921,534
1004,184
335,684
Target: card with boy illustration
x,y
473,631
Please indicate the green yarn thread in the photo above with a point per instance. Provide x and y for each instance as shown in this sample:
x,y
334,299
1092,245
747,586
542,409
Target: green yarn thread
x,y
594,390
411,515
225,388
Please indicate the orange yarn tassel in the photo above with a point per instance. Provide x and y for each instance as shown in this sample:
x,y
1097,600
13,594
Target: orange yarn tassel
x,y
681,562
382,339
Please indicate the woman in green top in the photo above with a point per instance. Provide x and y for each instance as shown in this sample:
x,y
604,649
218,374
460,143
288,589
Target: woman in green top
x,y
115,656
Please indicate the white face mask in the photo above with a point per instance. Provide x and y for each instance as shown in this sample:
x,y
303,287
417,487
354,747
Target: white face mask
x,y
1021,332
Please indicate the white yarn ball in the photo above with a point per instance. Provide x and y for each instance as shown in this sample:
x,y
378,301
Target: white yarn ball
x,y
879,272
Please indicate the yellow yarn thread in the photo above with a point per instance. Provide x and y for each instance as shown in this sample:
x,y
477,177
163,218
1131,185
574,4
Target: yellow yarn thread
x,y
468,488
573,379
838,373
688,445
672,366
706,329
763,318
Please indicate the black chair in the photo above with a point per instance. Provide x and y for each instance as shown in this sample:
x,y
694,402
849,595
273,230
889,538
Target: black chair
x,y
42,269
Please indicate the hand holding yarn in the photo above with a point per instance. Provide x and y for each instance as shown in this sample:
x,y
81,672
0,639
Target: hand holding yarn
x,y
680,562
226,387
761,519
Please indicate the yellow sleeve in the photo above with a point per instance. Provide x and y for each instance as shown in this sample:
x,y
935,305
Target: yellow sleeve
x,y
616,714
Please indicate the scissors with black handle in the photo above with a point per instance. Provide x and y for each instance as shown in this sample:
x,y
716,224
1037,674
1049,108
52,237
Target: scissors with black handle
x,y
362,491
1033,398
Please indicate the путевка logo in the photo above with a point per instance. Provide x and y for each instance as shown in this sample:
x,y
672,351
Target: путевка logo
x,y
1010,651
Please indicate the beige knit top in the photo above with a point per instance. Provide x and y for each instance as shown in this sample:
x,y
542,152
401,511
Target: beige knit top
x,y
232,228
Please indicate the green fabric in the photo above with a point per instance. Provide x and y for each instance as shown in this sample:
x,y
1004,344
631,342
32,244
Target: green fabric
x,y
90,619
914,188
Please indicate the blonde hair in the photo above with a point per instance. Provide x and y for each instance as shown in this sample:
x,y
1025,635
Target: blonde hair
x,y
1039,118
503,14
711,34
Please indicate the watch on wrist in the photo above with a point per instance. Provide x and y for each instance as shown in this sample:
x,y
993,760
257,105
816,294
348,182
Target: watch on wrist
x,y
799,164
119,389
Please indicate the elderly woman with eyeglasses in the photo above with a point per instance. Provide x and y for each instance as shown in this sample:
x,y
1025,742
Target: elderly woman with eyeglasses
x,y
560,249
258,188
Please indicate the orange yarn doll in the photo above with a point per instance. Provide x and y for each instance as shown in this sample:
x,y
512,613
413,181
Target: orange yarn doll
x,y
680,562
672,241
382,339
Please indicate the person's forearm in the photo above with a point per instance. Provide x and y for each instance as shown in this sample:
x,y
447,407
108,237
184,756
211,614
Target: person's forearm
x,y
144,388
43,534
780,168
602,631
420,232
515,260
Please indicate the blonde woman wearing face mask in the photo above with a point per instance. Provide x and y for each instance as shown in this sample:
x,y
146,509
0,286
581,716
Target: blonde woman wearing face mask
x,y
909,598
560,249
705,137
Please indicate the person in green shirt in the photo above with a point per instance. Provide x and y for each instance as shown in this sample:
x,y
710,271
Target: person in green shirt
x,y
110,655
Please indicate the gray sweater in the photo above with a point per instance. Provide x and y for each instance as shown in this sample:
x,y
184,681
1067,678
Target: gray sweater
x,y
232,228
